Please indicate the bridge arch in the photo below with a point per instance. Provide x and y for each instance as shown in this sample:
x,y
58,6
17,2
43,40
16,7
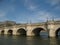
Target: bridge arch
x,y
10,32
21,31
36,31
57,32
2,32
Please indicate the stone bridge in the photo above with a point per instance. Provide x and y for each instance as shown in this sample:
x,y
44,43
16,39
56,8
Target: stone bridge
x,y
52,27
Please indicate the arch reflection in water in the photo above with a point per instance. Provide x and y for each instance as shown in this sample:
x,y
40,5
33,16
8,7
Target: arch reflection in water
x,y
53,41
21,31
37,31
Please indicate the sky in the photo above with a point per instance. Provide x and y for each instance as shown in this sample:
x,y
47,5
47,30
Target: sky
x,y
23,11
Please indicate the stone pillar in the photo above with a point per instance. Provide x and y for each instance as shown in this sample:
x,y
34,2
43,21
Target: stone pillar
x,y
14,31
6,31
52,30
0,31
52,33
29,31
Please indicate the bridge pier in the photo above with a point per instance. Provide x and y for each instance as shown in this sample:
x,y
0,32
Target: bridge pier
x,y
0,31
30,33
14,31
5,32
52,33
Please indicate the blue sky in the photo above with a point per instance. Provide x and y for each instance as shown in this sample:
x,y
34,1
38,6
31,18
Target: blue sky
x,y
23,11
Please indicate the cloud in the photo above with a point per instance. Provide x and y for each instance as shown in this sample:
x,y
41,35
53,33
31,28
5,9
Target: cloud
x,y
3,15
13,0
53,2
6,9
41,16
30,5
57,18
10,8
57,8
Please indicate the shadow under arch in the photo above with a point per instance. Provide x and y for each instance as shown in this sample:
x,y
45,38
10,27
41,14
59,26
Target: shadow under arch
x,y
57,32
2,32
21,31
37,31
10,32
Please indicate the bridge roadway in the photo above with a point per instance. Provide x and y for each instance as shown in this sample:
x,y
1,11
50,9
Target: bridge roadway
x,y
52,27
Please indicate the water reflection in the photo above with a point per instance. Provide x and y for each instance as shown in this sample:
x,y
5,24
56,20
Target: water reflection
x,y
37,41
53,41
24,40
33,41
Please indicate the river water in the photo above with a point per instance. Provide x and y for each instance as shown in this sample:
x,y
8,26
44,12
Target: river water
x,y
24,40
